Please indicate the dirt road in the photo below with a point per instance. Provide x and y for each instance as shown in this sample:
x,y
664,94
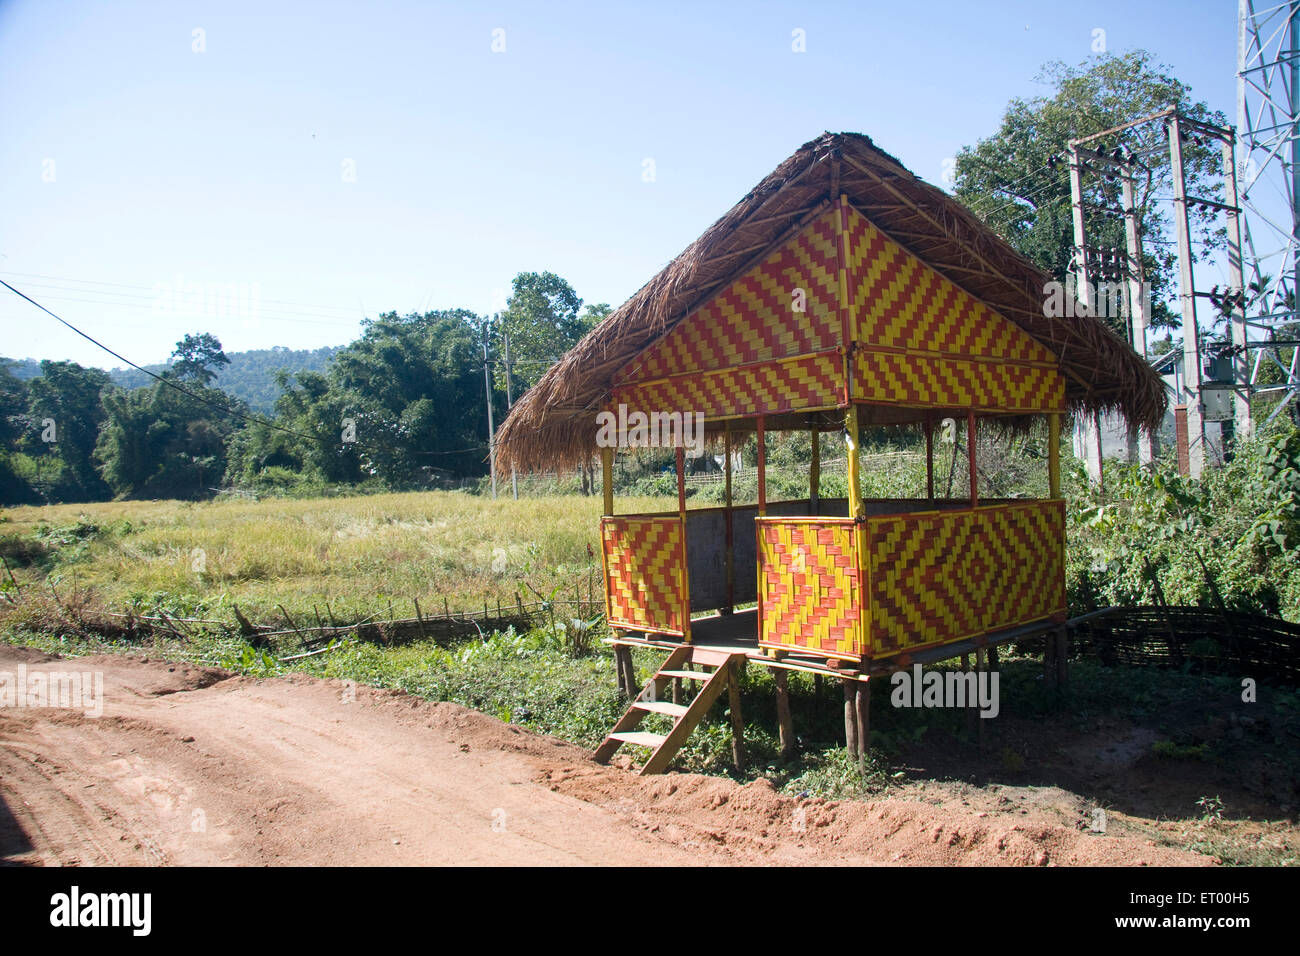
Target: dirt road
x,y
194,766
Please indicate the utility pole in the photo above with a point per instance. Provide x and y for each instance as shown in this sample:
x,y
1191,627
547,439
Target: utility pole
x,y
1191,396
1089,426
510,403
1240,330
1138,297
487,385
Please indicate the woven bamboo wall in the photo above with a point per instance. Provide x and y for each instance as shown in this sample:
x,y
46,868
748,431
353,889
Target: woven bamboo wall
x,y
920,340
749,350
643,573
935,577
810,586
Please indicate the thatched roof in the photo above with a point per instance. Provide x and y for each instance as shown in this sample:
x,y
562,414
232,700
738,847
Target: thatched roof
x,y
553,425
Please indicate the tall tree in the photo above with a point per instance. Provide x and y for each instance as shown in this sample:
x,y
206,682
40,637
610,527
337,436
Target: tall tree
x,y
404,403
195,357
160,442
68,396
543,322
1017,181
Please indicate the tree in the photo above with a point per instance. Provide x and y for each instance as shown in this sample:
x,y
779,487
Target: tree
x,y
161,442
1018,183
543,322
14,488
194,356
404,404
69,397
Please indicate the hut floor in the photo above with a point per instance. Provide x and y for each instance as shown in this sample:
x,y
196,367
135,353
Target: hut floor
x,y
739,632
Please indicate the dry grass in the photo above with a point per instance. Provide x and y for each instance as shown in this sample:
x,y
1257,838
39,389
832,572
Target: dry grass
x,y
356,553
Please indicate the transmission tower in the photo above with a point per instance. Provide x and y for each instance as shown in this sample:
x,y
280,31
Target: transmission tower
x,y
1268,134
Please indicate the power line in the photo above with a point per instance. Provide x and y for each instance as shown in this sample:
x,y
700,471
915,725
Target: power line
x,y
166,381
199,398
123,285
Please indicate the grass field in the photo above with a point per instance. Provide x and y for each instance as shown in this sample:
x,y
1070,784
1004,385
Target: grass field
x,y
358,553
361,553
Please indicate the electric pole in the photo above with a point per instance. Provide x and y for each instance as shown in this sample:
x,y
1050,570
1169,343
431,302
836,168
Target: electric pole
x,y
510,403
487,385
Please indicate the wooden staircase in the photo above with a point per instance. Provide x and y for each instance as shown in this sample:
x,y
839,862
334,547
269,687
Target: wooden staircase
x,y
685,716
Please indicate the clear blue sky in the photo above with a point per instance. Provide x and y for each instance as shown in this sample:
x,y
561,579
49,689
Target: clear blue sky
x,y
227,166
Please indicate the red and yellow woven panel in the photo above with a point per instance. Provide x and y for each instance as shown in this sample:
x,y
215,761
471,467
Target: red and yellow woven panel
x,y
810,381
936,577
901,303
643,573
809,586
932,380
787,305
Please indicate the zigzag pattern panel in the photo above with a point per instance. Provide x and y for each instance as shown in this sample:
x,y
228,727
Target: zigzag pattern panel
x,y
902,303
812,381
810,586
931,380
944,576
642,573
754,319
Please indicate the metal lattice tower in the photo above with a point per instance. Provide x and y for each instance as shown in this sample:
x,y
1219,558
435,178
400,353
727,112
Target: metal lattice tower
x,y
1268,134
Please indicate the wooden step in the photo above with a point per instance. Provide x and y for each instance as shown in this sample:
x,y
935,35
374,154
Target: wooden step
x,y
686,675
642,738
709,656
660,707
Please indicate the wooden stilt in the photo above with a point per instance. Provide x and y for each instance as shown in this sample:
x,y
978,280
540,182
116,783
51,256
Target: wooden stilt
x,y
862,706
1049,659
971,717
1062,657
627,677
783,719
850,715
737,719
981,668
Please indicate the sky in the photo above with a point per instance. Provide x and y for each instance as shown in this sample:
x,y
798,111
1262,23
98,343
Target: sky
x,y
274,172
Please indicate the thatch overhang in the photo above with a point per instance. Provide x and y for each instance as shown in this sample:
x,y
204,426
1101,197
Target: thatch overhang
x,y
554,424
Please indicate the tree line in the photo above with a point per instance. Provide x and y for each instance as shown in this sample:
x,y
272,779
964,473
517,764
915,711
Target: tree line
x,y
403,406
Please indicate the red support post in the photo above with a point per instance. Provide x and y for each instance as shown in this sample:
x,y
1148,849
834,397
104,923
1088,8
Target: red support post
x,y
970,450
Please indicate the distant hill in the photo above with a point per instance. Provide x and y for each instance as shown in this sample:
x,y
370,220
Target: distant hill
x,y
249,376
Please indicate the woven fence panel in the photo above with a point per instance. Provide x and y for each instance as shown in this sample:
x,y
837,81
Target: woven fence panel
x,y
810,596
811,381
643,573
787,305
937,577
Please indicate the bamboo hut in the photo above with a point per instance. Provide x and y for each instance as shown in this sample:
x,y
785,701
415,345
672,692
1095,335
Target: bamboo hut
x,y
841,293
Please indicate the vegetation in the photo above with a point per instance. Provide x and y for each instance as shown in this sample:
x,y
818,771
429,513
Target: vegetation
x,y
1018,180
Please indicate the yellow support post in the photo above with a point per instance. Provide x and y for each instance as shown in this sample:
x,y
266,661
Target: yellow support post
x,y
1054,454
730,534
683,582
856,510
851,440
